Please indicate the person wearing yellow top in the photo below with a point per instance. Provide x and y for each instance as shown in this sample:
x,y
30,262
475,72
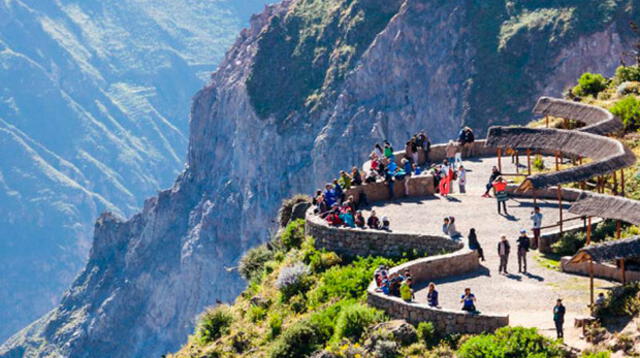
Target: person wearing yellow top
x,y
406,293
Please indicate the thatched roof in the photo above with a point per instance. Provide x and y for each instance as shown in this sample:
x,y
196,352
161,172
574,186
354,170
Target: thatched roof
x,y
608,207
610,250
607,154
597,120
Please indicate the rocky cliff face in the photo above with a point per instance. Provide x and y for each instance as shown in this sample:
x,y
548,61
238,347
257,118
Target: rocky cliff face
x,y
94,105
429,64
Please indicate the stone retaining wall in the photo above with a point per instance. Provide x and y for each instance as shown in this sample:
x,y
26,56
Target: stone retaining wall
x,y
365,242
445,320
600,270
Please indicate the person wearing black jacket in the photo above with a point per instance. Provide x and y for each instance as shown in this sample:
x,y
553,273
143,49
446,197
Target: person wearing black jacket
x,y
523,248
558,317
503,252
495,173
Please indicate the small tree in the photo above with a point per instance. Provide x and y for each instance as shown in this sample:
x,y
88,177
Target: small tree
x,y
590,84
628,110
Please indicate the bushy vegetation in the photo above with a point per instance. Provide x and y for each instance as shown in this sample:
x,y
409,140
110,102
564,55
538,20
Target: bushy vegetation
x,y
213,323
510,342
628,110
299,340
293,235
569,243
427,334
354,319
601,354
293,280
253,261
621,301
590,84
626,74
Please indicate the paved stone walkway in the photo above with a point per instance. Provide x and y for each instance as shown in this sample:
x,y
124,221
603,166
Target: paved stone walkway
x,y
527,298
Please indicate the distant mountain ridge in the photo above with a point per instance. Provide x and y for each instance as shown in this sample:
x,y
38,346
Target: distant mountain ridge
x,y
93,116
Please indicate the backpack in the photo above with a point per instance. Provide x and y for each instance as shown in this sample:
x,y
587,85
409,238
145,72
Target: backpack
x,y
469,137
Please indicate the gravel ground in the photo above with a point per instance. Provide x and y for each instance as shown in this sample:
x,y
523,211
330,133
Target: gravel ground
x,y
527,298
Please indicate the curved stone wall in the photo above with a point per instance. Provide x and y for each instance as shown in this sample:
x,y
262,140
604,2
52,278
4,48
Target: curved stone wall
x,y
365,242
449,321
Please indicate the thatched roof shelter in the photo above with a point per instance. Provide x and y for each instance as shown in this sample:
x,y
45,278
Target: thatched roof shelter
x,y
609,251
607,206
607,154
597,120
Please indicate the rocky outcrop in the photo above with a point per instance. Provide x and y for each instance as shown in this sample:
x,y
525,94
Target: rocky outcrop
x,y
433,65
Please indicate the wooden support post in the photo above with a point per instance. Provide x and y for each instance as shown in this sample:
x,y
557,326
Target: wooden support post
x,y
546,118
557,162
529,161
622,182
588,231
517,161
560,206
624,275
618,229
615,183
500,159
591,307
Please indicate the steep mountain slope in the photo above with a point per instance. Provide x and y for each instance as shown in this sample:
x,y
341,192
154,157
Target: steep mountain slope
x,y
93,116
298,97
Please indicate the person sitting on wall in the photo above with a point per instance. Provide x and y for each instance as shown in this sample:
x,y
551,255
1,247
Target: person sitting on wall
x,y
388,150
338,190
432,295
395,282
379,274
344,180
424,143
356,177
330,195
468,301
386,285
406,292
371,177
495,173
359,220
406,166
373,222
416,170
333,217
385,224
347,218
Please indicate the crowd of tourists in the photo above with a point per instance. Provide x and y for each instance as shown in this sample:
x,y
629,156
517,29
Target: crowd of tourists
x,y
401,285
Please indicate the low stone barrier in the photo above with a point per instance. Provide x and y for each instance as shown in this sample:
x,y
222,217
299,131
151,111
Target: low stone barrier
x,y
365,242
445,320
601,270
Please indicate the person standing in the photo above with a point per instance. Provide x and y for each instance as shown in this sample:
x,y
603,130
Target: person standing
x,y
432,295
536,218
503,252
495,173
468,301
474,244
450,151
462,179
558,317
523,248
500,187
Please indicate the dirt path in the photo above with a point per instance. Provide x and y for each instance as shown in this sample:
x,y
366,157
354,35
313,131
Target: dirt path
x,y
527,298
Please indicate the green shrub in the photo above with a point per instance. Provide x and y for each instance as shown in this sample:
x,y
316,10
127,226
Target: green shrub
x,y
427,334
275,325
510,342
628,110
298,304
252,263
299,340
256,313
621,301
293,234
590,84
538,162
293,280
603,230
213,323
318,260
354,319
385,349
347,281
627,73
568,244
603,354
